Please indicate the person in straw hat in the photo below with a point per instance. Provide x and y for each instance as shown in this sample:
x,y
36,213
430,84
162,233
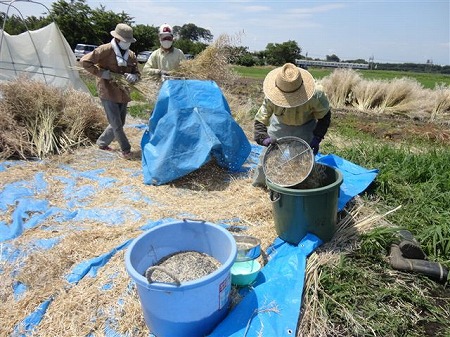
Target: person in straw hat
x,y
166,58
114,57
293,106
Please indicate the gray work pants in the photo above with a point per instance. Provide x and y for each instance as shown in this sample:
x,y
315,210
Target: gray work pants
x,y
116,114
277,130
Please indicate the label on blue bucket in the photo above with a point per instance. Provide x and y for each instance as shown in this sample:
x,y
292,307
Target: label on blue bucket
x,y
224,291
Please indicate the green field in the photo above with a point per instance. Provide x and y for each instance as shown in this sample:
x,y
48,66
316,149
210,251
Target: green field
x,y
426,80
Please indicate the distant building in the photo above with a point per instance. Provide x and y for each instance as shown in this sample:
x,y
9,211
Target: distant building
x,y
310,63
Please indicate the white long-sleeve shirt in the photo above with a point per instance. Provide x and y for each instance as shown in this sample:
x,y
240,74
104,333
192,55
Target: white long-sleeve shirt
x,y
161,59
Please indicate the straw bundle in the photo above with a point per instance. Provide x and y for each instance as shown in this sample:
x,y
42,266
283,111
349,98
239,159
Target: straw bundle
x,y
211,64
39,120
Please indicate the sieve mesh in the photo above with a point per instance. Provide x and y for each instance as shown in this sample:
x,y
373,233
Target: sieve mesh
x,y
288,162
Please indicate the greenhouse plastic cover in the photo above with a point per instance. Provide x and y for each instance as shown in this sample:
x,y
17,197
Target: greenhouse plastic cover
x,y
274,302
190,124
41,55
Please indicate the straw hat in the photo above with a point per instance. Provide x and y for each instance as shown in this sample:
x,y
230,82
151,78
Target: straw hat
x,y
123,32
288,86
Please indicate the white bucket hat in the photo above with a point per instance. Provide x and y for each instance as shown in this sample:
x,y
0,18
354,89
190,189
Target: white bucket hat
x,y
288,86
124,33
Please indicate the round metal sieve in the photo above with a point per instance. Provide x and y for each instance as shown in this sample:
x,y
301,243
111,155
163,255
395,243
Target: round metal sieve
x,y
288,162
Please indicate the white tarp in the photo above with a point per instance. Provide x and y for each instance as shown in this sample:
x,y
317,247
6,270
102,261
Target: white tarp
x,y
41,55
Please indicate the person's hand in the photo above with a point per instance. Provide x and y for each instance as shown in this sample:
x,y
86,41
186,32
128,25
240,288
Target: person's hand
x,y
268,141
165,73
131,78
314,145
106,74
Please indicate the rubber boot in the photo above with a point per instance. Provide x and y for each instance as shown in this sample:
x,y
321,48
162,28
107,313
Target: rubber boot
x,y
433,270
409,246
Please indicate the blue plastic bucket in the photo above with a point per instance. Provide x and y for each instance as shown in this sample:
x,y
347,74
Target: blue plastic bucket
x,y
195,307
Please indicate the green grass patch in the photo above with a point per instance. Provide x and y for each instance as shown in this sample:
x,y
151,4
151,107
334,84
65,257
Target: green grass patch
x,y
141,110
252,72
92,87
362,299
426,80
419,181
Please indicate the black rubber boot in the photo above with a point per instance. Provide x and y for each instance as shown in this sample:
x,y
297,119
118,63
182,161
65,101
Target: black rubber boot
x,y
433,270
410,247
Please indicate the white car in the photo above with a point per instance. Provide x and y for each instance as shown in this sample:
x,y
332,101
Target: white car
x,y
143,56
82,49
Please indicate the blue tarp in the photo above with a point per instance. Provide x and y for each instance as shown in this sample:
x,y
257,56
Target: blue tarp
x,y
191,123
355,178
272,305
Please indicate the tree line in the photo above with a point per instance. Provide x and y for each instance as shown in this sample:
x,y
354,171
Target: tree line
x,y
81,24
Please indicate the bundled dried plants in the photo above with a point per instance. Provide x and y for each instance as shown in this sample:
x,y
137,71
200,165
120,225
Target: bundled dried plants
x,y
403,96
37,120
211,64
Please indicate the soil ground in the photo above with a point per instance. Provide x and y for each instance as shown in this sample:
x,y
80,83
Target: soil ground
x,y
380,126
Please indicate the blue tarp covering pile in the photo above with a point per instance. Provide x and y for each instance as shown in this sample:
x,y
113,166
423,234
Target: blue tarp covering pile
x,y
191,124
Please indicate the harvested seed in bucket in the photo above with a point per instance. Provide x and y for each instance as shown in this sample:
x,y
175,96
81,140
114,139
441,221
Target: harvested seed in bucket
x,y
186,266
316,178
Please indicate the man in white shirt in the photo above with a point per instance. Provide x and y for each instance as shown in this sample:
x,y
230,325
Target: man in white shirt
x,y
166,58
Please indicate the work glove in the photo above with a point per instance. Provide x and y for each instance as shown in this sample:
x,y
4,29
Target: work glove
x,y
314,145
268,141
131,78
106,74
165,73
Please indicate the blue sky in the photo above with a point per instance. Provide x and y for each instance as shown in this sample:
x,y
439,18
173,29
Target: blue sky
x,y
388,31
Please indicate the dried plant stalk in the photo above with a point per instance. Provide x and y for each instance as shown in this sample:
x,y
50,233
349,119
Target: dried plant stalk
x,y
38,120
211,64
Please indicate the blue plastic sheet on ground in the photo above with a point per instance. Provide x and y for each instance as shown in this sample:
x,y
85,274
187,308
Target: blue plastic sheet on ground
x,y
273,306
32,320
356,178
91,266
191,123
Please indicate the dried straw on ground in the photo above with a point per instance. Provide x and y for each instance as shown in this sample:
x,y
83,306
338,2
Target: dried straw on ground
x,y
201,194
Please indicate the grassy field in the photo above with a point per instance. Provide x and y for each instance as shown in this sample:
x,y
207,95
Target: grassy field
x,y
360,293
426,80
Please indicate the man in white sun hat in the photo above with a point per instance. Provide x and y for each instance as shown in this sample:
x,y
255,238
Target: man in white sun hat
x,y
111,58
293,106
166,58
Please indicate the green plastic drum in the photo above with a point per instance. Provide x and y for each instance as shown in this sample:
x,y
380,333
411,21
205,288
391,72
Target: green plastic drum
x,y
297,211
